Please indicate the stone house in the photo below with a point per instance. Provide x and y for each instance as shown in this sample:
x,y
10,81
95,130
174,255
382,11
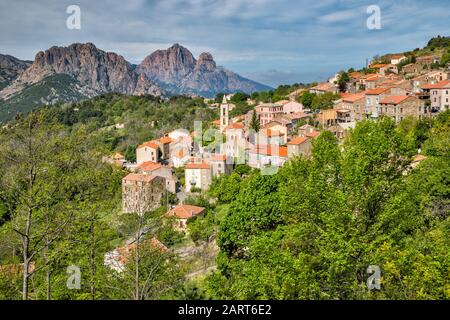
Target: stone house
x,y
439,95
299,146
399,107
373,98
142,193
182,213
325,87
355,103
148,151
159,170
220,164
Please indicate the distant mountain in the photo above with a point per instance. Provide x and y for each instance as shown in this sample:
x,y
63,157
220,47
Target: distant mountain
x,y
99,70
66,74
177,71
50,90
10,69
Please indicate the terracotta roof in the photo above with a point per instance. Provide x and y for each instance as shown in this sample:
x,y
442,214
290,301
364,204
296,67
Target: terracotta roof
x,y
185,211
139,177
378,65
355,75
374,77
149,166
298,140
313,134
394,99
165,140
353,97
216,122
298,115
271,150
149,144
201,165
376,91
324,87
236,126
440,85
126,251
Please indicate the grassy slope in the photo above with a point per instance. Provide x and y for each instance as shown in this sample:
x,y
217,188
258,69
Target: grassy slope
x,y
58,87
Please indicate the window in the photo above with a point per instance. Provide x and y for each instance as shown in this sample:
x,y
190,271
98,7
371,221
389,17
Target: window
x,y
401,110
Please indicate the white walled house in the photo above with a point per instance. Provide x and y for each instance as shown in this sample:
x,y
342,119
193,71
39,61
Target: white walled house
x,y
148,151
198,175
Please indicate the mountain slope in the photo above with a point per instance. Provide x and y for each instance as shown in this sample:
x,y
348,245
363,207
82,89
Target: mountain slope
x,y
66,74
101,71
177,71
10,69
50,90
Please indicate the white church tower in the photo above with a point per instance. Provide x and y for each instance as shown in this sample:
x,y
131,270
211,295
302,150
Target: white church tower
x,y
224,110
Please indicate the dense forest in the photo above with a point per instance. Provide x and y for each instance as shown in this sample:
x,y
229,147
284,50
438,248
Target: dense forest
x,y
310,231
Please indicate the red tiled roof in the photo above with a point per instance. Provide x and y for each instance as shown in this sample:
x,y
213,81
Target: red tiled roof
x,y
236,126
440,85
185,211
376,91
397,56
378,65
165,140
298,115
313,134
394,99
201,165
353,97
126,251
149,166
324,86
149,144
271,150
298,140
374,77
139,177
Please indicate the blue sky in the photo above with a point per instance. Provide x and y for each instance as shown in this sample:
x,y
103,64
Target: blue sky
x,y
274,42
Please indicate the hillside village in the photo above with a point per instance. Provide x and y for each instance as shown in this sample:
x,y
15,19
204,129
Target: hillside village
x,y
272,133
283,194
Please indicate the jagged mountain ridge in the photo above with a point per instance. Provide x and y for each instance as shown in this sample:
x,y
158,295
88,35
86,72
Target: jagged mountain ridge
x,y
99,70
10,69
176,70
91,71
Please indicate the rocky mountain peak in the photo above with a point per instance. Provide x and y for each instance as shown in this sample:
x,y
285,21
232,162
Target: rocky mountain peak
x,y
206,62
101,71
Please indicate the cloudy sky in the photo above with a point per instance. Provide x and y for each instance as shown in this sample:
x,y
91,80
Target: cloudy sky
x,y
271,41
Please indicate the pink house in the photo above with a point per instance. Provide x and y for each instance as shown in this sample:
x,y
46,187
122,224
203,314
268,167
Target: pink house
x,y
268,111
292,107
